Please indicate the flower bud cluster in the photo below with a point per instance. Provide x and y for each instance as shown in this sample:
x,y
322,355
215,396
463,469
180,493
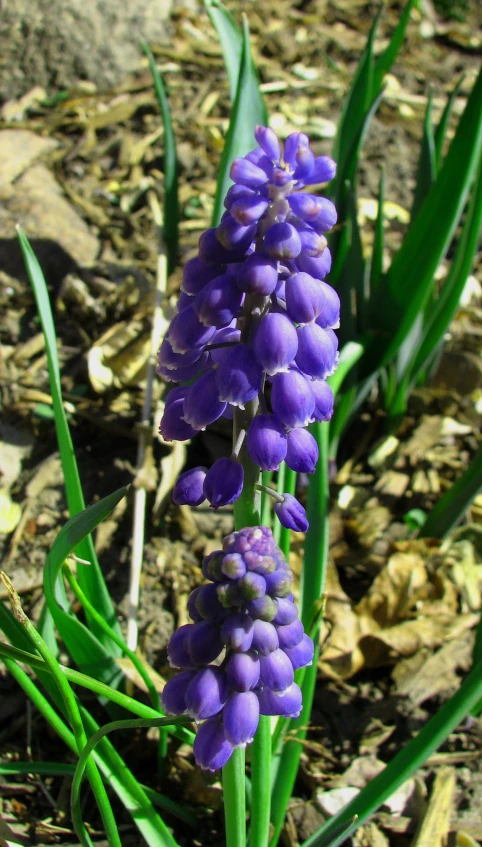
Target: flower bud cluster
x,y
245,612
256,321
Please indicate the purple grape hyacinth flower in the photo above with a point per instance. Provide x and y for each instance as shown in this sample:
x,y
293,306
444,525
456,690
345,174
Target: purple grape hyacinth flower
x,y
253,334
254,675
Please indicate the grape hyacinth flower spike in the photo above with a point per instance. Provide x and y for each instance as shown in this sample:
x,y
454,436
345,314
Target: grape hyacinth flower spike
x,y
246,617
254,331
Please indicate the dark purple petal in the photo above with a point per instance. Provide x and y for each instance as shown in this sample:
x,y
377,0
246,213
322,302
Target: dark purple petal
x,y
294,143
302,452
242,670
265,637
188,490
207,693
229,594
259,158
241,718
276,671
266,442
280,583
207,603
330,311
178,648
186,331
185,374
227,335
324,400
275,343
318,268
173,427
264,608
326,217
235,192
173,697
204,642
223,482
258,275
269,142
239,376
324,169
287,612
237,631
305,159
167,358
212,566
292,399
211,747
233,565
219,302
317,353
305,206
291,634
252,586
312,244
287,703
304,297
282,241
245,172
248,210
291,514
191,606
196,274
202,405
233,235
211,250
302,653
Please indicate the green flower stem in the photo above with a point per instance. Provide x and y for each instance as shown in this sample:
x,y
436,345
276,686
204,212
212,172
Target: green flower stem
x,y
99,688
75,719
260,784
280,488
235,799
404,764
266,478
313,578
94,614
285,534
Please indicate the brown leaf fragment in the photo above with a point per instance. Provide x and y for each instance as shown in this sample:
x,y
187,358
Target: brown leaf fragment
x,y
438,674
435,826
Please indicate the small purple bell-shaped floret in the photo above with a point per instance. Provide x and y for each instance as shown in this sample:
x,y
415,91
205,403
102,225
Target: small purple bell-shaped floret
x,y
229,594
242,671
304,297
207,602
291,634
312,244
178,648
287,703
191,606
275,343
196,274
264,608
326,218
268,141
265,637
266,442
174,694
245,172
237,631
170,360
186,331
212,251
302,653
248,210
211,747
202,405
211,566
279,584
252,586
291,514
292,399
316,354
282,241
330,312
286,613
324,170
219,302
238,376
302,452
204,642
295,142
316,267
324,400
223,482
184,373
233,566
276,671
233,235
258,275
207,693
241,717
173,426
188,490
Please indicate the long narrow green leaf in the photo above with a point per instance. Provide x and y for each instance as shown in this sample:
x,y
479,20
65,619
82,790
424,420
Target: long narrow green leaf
x,y
386,59
376,263
441,131
427,167
393,312
454,503
91,578
230,40
171,202
248,111
403,765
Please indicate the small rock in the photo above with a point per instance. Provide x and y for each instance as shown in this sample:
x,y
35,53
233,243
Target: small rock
x,y
19,149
